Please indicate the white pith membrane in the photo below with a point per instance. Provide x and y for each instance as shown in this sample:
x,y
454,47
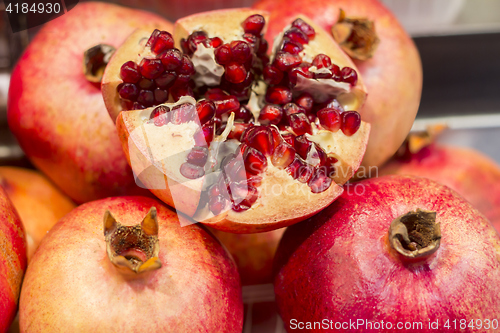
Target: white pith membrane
x,y
166,147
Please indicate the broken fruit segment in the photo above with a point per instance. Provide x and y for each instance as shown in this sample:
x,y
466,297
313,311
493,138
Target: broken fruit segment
x,y
243,143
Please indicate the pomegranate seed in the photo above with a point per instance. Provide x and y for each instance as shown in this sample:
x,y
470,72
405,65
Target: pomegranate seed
x,y
128,91
217,122
166,80
302,71
322,61
151,68
351,120
336,73
194,39
330,166
184,45
278,95
214,42
294,167
300,124
160,95
255,161
272,75
305,172
183,113
137,106
270,114
178,92
205,110
275,134
320,181
215,94
241,51
305,101
283,155
243,195
198,156
263,47
153,37
317,157
208,131
260,138
290,46
289,138
223,54
254,24
146,98
292,108
302,146
304,27
252,40
227,104
187,66
243,114
349,75
237,130
171,59
146,84
163,41
330,119
235,73
191,171
129,72
217,204
323,75
286,61
296,35
160,115
234,169
182,80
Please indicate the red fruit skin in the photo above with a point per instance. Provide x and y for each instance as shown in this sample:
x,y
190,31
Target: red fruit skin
x,y
58,117
470,173
13,260
339,264
72,286
393,76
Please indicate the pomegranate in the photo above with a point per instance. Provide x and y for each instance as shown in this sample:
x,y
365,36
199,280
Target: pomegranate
x,y
237,140
128,275
392,251
62,124
467,171
12,260
384,54
253,254
38,202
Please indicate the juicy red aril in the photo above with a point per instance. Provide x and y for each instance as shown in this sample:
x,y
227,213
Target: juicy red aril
x,y
260,138
243,195
296,35
235,73
283,155
160,95
178,92
243,114
191,171
286,61
252,40
163,41
305,101
272,75
205,110
263,47
146,84
237,130
289,138
187,66
198,156
217,204
294,167
153,37
194,39
351,120
302,71
305,173
278,95
151,68
128,91
129,72
292,108
182,80
276,136
330,166
137,106
302,146
146,98
160,115
300,124
317,157
254,24
322,61
208,132
227,104
336,73
166,80
171,59
234,169
270,114
255,161
223,54
320,181
215,94
199,138
292,47
213,42
183,113
349,75
304,27
330,119
241,51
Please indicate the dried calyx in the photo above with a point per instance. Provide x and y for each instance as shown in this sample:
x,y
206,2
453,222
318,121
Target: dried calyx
x,y
416,234
133,249
95,61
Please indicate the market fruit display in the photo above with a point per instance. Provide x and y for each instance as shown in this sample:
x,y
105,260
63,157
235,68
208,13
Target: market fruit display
x,y
58,115
465,170
384,54
125,264
13,260
393,249
239,140
37,201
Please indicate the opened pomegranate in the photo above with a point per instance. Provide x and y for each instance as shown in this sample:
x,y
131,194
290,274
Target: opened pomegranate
x,y
13,260
139,272
253,254
383,52
38,202
56,111
394,251
236,139
467,171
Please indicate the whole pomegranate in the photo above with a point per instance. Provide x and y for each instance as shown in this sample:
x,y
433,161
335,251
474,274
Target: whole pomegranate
x,y
56,111
38,202
383,52
237,140
140,271
391,252
12,260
